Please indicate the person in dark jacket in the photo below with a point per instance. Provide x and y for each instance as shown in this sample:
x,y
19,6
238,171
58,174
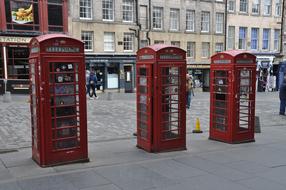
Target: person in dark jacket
x,y
282,96
92,84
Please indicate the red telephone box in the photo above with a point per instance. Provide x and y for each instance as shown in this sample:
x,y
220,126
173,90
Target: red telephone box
x,y
161,98
58,100
232,96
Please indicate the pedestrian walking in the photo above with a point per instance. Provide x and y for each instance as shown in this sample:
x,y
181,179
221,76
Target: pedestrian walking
x,y
92,84
189,90
282,96
87,73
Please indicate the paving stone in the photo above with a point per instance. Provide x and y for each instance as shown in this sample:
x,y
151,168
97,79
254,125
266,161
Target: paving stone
x,y
85,179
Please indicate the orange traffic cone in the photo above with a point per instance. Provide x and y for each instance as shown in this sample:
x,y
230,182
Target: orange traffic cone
x,y
198,127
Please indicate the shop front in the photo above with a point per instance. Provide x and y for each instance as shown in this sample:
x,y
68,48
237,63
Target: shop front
x,y
14,67
266,72
114,72
200,73
19,22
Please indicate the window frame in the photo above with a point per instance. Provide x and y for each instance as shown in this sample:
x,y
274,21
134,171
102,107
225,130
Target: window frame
x,y
219,24
157,15
190,20
206,23
266,40
267,7
242,38
205,52
256,8
128,4
108,10
89,8
254,39
88,34
128,43
191,49
109,42
174,19
243,4
231,38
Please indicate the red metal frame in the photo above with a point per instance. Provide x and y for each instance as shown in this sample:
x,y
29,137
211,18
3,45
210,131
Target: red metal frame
x,y
59,99
165,98
232,96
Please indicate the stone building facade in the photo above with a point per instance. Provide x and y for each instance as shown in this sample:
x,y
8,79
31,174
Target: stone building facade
x,y
255,26
196,26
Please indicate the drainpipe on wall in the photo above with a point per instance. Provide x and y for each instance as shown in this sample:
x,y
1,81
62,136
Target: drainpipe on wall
x,y
225,25
282,27
149,23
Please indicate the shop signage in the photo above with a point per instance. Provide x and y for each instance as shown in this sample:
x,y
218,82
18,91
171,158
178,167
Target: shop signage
x,y
8,39
200,66
57,49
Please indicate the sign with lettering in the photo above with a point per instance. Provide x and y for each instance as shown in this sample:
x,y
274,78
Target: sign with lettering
x,y
222,61
58,49
171,56
244,61
145,57
8,39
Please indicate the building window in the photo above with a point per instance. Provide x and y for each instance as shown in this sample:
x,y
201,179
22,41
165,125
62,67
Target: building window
x,y
158,41
191,48
107,10
16,20
205,22
231,5
243,6
55,15
17,63
267,7
128,42
205,50
127,10
109,41
85,9
231,37
175,43
158,18
265,40
219,23
242,38
87,38
255,6
174,19
143,17
190,20
254,38
218,47
143,43
276,39
277,7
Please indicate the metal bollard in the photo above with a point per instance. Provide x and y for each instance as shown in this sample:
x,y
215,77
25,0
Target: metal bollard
x,y
109,96
7,97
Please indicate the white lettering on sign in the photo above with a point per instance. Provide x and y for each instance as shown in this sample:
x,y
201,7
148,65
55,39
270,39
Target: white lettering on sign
x,y
219,61
144,57
8,39
62,49
244,61
171,56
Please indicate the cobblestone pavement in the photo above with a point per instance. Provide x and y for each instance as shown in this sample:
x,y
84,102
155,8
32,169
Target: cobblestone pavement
x,y
116,118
